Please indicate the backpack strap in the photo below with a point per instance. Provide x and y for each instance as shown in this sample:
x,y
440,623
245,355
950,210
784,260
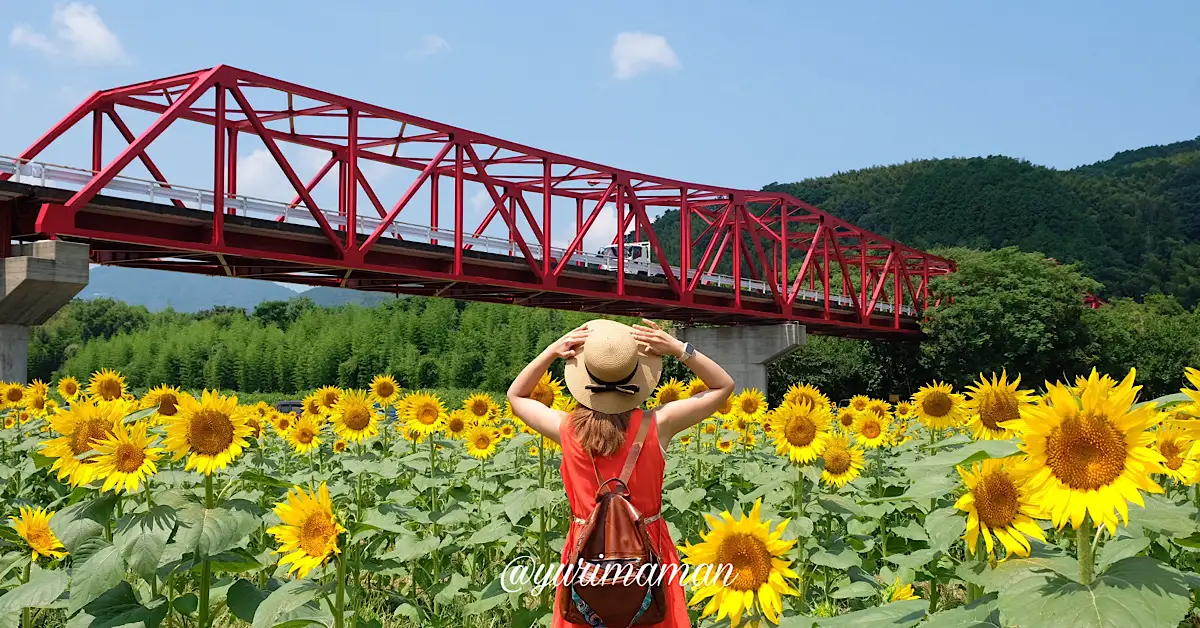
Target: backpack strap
x,y
631,461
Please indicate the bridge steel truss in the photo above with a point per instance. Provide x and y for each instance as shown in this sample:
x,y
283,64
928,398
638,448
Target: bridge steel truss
x,y
816,268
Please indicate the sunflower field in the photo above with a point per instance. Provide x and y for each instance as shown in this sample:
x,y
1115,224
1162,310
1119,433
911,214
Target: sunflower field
x,y
997,505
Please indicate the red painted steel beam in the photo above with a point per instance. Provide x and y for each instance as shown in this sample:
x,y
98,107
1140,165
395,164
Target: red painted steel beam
x,y
760,231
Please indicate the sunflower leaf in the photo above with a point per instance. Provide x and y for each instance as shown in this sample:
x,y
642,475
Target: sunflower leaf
x,y
142,537
100,569
965,455
982,613
1118,549
293,604
82,521
119,607
893,615
945,527
1137,591
855,590
836,556
206,532
42,591
1162,516
140,414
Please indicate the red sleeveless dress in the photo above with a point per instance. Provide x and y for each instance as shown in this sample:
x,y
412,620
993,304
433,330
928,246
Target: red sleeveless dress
x,y
645,490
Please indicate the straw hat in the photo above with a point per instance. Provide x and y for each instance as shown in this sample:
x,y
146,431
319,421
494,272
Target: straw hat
x,y
609,372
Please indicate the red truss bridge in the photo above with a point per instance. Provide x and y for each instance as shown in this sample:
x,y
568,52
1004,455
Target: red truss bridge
x,y
396,203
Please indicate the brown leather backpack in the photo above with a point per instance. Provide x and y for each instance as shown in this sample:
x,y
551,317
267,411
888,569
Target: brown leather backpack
x,y
611,549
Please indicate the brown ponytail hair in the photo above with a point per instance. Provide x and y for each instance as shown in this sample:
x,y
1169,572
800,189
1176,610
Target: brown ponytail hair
x,y
599,433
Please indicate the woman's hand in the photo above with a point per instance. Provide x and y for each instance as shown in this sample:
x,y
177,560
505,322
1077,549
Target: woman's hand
x,y
657,341
565,347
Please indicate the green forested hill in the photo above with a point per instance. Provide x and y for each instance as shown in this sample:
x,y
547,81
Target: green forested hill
x,y
1132,222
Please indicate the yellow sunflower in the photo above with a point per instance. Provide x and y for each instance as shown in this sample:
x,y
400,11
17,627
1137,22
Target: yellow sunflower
x,y
1091,455
904,409
997,502
10,421
879,407
726,409
900,592
13,395
859,402
1179,452
800,431
751,403
125,458
35,405
481,407
752,555
308,532
312,403
507,430
211,432
991,402
548,392
283,422
938,406
327,397
412,434
846,417
384,390
107,385
843,462
668,391
798,393
34,526
725,445
481,442
165,398
741,423
339,446
871,430
354,417
425,413
37,388
694,387
901,433
458,422
305,435
81,426
68,388
569,404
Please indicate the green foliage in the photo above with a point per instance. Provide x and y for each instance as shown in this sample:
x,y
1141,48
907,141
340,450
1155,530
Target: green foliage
x,y
295,346
1014,311
1132,222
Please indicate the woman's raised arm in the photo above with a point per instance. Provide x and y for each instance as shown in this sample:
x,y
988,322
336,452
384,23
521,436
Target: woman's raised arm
x,y
679,415
545,421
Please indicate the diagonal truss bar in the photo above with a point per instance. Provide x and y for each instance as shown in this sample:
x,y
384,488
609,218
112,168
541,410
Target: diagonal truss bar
x,y
280,159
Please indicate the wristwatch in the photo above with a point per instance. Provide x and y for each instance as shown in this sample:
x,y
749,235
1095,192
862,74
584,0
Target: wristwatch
x,y
688,352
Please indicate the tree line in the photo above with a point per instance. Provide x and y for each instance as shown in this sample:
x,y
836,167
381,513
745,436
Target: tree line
x,y
1003,310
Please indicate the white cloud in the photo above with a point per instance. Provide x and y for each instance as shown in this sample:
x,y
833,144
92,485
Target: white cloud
x,y
259,175
636,53
78,31
428,46
80,27
22,36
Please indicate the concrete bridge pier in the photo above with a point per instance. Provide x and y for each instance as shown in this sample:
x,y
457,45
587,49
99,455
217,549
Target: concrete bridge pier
x,y
745,351
37,280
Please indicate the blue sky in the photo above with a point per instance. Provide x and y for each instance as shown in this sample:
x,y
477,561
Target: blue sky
x,y
701,91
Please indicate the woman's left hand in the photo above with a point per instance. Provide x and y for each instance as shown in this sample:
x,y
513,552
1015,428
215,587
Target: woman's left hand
x,y
656,341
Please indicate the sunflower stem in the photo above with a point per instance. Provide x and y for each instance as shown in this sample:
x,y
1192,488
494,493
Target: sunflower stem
x,y
1083,542
339,609
205,565
27,612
